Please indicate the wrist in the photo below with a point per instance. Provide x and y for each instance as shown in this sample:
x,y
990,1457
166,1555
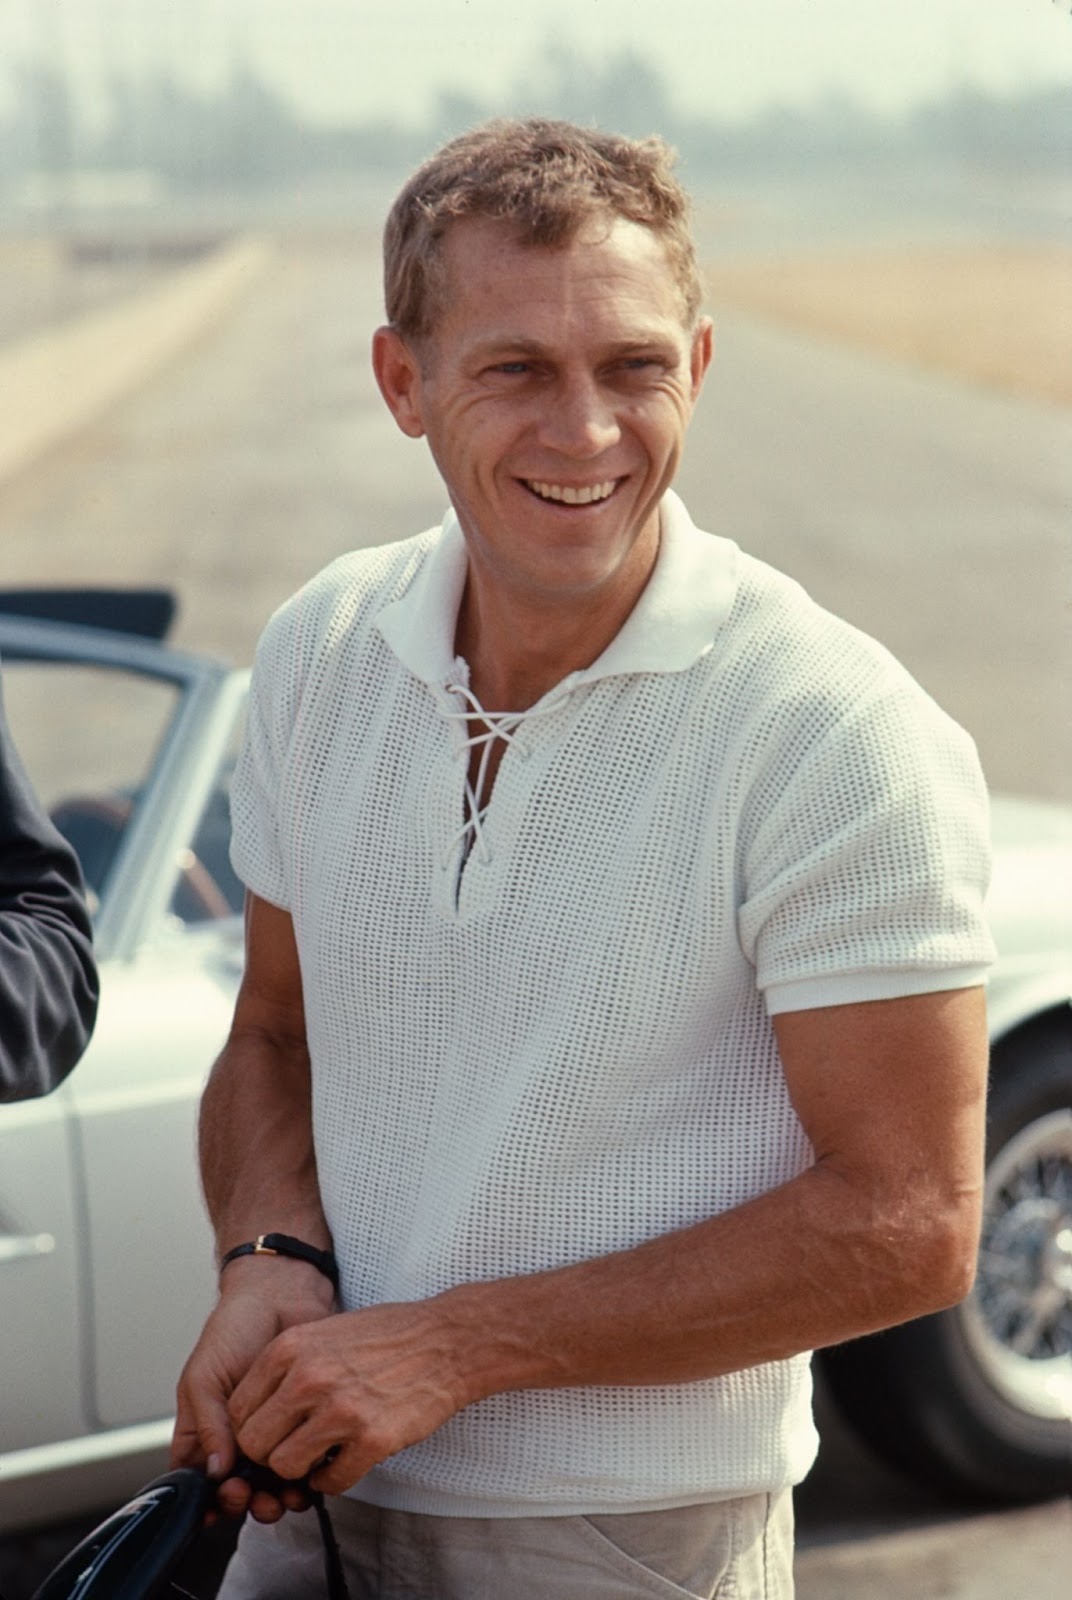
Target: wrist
x,y
291,1248
282,1277
498,1340
284,1280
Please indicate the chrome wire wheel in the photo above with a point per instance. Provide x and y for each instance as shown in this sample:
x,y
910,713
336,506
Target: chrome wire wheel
x,y
977,1400
1018,1320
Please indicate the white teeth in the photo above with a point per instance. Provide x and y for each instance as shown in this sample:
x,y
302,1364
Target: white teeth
x,y
572,497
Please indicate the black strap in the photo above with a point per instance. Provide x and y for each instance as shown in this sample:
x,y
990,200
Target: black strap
x,y
283,1244
334,1577
259,1477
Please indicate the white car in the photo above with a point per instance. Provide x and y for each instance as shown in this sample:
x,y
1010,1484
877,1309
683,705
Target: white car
x,y
106,1268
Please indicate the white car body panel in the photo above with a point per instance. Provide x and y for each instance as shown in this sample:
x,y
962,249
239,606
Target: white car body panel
x,y
135,1100
1030,910
39,1277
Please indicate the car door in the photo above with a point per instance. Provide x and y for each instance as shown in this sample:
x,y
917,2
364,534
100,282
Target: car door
x,y
105,1254
134,1102
165,1014
40,1308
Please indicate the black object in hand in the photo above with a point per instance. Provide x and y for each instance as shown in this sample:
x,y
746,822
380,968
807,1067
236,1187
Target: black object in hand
x,y
135,1552
132,1555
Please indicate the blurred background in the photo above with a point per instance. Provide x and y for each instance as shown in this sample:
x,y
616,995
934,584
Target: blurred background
x,y
190,204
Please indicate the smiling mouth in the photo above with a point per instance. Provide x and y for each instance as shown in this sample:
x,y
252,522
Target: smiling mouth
x,y
570,495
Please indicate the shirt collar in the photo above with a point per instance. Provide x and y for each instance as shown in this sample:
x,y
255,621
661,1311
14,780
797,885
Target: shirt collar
x,y
674,622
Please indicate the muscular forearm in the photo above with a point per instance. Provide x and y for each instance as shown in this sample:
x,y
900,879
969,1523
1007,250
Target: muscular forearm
x,y
805,1265
810,1264
883,1227
257,1163
259,1175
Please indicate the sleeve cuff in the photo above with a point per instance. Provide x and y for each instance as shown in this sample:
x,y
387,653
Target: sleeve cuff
x,y
264,884
852,988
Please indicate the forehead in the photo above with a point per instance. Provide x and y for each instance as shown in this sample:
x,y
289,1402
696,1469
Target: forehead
x,y
611,270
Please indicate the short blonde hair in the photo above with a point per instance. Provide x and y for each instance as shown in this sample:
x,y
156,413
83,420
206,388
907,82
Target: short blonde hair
x,y
546,179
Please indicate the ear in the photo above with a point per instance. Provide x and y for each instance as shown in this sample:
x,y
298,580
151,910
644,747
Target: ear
x,y
703,348
398,374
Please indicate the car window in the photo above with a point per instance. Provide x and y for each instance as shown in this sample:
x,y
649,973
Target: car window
x,y
88,735
208,887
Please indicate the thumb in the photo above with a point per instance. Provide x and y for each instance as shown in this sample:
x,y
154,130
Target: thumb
x,y
203,1436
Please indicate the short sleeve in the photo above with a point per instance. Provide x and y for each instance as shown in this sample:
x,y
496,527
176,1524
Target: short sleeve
x,y
866,874
257,852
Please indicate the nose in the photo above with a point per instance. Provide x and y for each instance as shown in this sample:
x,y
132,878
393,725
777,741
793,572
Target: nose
x,y
578,421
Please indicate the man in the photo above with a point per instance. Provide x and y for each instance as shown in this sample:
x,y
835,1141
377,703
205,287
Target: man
x,y
48,982
613,1000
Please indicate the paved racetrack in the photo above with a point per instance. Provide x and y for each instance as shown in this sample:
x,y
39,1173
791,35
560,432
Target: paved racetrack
x,y
933,514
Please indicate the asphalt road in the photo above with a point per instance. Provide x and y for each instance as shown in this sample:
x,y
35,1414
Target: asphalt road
x,y
931,514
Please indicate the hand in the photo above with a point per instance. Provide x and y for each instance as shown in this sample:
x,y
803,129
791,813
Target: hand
x,y
361,1386
260,1299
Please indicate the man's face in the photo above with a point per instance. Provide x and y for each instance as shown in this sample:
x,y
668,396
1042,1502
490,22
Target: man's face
x,y
555,394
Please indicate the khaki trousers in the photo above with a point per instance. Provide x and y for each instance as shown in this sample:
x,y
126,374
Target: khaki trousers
x,y
725,1550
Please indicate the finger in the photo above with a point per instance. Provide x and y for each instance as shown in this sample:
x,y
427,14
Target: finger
x,y
296,1500
264,1413
236,1496
233,1496
260,1383
203,1435
283,1447
186,1448
295,1451
346,1465
217,1440
265,1507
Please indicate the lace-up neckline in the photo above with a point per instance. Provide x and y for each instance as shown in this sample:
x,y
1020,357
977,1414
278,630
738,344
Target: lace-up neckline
x,y
497,725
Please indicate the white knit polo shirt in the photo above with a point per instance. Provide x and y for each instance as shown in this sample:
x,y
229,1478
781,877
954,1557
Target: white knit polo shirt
x,y
557,1043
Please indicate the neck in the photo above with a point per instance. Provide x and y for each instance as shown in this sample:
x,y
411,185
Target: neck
x,y
519,649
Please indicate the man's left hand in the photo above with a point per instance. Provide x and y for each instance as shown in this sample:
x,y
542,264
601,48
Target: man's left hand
x,y
358,1386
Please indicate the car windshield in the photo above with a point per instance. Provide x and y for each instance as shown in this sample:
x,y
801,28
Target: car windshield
x,y
208,888
90,736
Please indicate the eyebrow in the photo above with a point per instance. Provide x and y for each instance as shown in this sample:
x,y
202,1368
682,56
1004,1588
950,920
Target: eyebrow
x,y
518,345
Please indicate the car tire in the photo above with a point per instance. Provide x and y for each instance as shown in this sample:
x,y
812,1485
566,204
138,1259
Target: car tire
x,y
976,1400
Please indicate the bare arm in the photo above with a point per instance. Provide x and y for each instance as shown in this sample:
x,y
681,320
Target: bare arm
x,y
255,1133
883,1227
259,1176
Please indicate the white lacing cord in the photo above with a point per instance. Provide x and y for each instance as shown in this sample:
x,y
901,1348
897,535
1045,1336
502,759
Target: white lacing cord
x,y
497,725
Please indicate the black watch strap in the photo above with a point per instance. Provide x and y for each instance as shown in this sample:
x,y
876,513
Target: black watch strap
x,y
282,1244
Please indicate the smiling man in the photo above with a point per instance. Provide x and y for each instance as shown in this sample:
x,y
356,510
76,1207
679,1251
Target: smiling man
x,y
612,1028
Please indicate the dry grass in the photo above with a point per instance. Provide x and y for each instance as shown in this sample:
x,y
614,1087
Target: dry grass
x,y
999,316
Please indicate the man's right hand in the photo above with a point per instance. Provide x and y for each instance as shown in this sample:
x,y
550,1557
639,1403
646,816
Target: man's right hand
x,y
259,1299
258,1172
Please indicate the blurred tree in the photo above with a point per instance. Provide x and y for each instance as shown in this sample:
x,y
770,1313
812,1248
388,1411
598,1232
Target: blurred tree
x,y
625,92
246,134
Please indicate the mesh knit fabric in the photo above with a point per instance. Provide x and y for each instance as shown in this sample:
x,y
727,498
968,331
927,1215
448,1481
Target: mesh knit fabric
x,y
560,1045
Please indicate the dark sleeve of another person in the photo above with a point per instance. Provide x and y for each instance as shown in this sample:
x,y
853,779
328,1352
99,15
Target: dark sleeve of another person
x,y
48,980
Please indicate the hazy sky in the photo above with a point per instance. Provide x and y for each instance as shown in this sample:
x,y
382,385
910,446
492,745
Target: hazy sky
x,y
358,58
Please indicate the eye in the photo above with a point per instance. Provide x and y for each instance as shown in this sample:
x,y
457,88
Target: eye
x,y
512,368
639,366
